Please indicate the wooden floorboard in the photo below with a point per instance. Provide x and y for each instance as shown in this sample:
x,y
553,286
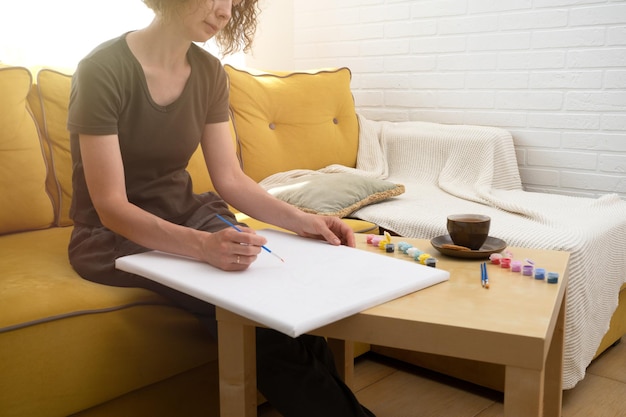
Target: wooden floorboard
x,y
391,388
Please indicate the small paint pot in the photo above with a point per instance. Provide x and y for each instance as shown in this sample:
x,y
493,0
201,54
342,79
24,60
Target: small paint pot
x,y
495,258
403,246
422,258
412,251
553,277
540,273
527,270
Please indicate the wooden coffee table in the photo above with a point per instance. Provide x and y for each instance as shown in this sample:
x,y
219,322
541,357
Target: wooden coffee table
x,y
518,322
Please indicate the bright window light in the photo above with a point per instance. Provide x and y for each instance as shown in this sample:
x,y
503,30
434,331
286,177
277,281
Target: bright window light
x,y
59,33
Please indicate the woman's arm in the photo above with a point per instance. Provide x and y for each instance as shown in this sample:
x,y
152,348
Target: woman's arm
x,y
104,174
246,195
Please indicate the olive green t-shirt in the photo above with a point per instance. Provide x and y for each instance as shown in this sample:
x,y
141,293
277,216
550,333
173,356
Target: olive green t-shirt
x,y
109,95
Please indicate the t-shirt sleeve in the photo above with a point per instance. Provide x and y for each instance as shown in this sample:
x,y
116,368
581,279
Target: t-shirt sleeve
x,y
95,101
218,107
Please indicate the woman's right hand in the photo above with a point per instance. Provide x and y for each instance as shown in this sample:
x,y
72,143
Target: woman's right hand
x,y
231,250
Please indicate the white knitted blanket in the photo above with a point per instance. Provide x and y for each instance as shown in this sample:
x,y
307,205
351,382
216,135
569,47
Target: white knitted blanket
x,y
468,169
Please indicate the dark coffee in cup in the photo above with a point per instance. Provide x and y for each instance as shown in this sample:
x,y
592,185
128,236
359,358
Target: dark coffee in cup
x,y
469,230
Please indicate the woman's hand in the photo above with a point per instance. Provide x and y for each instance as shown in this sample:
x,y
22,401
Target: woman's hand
x,y
331,229
231,250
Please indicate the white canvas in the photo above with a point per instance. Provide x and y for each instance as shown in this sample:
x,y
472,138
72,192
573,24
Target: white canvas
x,y
317,285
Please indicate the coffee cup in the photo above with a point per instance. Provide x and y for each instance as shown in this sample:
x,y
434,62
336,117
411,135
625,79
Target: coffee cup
x,y
469,230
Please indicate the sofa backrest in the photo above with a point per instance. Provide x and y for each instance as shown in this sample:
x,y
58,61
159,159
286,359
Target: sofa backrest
x,y
24,202
49,98
279,122
297,120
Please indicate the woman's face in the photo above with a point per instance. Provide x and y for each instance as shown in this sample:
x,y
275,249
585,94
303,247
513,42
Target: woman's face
x,y
202,19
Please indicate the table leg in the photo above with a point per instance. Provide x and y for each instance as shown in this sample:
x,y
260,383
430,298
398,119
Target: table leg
x,y
523,392
343,353
529,392
237,369
554,368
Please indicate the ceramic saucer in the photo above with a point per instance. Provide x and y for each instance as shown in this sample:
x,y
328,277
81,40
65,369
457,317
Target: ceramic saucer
x,y
491,245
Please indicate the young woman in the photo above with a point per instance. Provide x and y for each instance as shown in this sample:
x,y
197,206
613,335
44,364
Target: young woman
x,y
140,104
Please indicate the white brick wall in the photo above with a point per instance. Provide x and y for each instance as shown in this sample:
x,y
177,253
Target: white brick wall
x,y
553,72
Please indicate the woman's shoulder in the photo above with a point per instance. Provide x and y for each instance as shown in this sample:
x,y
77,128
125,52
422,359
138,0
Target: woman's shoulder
x,y
112,55
109,66
108,48
203,57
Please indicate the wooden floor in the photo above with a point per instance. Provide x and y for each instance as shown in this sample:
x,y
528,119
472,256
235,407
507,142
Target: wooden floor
x,y
393,389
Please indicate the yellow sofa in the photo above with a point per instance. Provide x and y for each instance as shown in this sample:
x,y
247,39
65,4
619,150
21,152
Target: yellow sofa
x,y
72,347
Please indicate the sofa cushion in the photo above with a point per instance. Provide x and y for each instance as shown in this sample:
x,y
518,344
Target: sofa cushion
x,y
95,342
336,194
300,120
49,100
25,202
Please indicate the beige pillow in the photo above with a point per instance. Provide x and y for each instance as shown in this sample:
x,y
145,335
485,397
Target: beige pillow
x,y
335,194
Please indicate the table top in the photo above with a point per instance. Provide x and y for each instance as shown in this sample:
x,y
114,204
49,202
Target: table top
x,y
513,301
511,322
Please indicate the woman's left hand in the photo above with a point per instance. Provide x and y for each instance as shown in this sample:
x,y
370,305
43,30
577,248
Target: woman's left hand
x,y
331,229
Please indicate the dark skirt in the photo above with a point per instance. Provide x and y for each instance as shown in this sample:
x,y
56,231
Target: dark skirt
x,y
93,251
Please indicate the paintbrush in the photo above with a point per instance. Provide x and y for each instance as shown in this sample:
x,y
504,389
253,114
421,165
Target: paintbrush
x,y
265,248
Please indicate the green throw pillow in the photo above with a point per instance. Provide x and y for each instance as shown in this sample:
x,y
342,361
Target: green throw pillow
x,y
335,194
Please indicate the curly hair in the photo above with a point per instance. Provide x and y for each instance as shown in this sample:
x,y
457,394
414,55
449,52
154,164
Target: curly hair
x,y
238,33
